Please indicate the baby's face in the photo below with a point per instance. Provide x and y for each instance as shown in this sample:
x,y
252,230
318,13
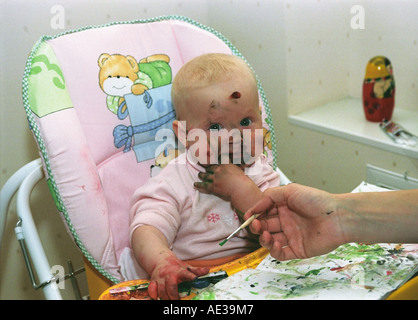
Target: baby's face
x,y
221,120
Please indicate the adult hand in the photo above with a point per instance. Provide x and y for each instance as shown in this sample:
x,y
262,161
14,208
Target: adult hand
x,y
297,222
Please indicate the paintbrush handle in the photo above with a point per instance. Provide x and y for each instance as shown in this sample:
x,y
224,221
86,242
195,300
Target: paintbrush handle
x,y
249,220
241,227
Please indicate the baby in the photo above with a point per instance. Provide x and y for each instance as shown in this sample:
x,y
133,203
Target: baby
x,y
195,203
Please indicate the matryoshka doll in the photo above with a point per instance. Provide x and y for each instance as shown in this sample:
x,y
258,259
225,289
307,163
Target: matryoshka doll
x,y
378,90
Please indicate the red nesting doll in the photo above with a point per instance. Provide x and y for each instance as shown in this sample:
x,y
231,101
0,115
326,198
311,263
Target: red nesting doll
x,y
378,90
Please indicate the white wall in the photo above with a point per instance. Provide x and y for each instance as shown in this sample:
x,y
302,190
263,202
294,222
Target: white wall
x,y
304,51
317,52
390,30
325,61
326,57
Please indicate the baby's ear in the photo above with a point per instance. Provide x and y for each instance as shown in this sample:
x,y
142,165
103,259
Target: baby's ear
x,y
179,128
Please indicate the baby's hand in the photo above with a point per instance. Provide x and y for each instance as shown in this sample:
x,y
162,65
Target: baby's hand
x,y
168,273
221,180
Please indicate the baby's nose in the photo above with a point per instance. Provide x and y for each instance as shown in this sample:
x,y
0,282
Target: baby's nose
x,y
234,137
234,134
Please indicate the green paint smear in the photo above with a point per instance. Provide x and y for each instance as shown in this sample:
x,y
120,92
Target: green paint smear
x,y
248,278
370,267
314,272
298,290
205,295
353,251
308,288
276,289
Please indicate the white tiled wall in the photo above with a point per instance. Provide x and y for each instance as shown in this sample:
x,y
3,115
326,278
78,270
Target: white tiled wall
x,y
304,51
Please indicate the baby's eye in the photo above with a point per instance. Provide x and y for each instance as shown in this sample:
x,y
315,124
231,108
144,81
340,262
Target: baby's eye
x,y
245,122
215,127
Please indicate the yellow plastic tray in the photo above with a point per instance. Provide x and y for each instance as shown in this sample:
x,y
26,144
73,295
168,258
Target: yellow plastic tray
x,y
249,261
409,291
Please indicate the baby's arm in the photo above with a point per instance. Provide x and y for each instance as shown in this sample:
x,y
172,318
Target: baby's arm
x,y
155,257
229,182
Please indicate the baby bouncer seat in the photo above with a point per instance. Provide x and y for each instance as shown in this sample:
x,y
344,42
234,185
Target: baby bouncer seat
x,y
98,103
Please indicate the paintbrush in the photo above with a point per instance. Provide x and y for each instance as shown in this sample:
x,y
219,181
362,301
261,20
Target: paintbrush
x,y
198,282
241,227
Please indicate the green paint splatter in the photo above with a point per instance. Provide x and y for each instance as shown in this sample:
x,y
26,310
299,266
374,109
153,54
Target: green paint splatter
x,y
351,251
314,272
307,289
205,295
276,289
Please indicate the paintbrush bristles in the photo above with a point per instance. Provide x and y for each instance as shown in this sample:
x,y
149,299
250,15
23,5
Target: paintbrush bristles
x,y
223,242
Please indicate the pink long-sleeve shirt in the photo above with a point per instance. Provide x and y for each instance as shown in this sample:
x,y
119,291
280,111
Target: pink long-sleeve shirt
x,y
194,223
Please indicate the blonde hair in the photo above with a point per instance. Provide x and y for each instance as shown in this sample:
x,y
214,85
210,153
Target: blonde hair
x,y
205,70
